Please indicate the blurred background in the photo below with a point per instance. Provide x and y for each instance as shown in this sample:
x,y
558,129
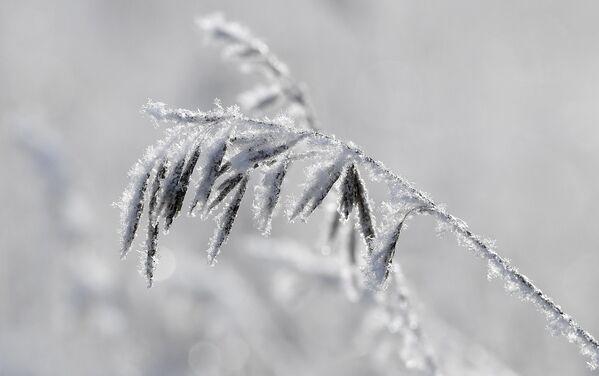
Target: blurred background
x,y
491,107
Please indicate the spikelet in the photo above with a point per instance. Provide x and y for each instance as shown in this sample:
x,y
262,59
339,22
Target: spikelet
x,y
347,192
365,216
267,193
132,205
209,174
225,222
267,153
169,191
241,46
261,98
152,236
176,200
156,186
260,153
381,260
320,181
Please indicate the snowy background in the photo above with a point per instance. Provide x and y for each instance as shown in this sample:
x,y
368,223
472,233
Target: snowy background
x,y
491,107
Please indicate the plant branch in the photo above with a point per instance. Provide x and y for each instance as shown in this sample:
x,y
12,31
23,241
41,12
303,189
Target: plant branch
x,y
515,282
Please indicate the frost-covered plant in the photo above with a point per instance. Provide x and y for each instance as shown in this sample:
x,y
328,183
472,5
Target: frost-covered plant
x,y
230,147
225,148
